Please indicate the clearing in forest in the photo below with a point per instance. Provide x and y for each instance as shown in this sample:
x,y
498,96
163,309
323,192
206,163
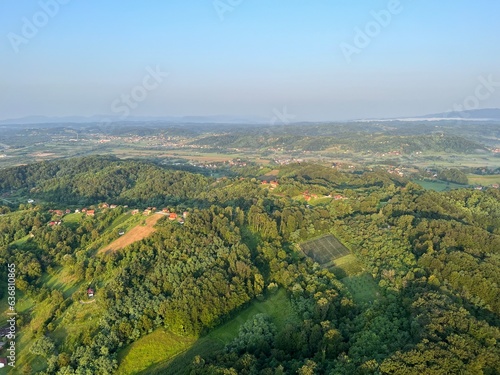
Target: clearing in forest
x,y
180,353
137,233
324,250
363,287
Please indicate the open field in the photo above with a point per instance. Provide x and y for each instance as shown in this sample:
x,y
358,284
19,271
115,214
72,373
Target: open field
x,y
485,180
135,234
363,287
439,185
277,306
324,250
152,349
348,265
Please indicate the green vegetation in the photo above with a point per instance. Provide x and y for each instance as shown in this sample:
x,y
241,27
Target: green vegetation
x,y
151,349
362,287
276,306
347,265
407,284
453,175
324,250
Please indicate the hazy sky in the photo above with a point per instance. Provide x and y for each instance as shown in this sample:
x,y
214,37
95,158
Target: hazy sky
x,y
249,57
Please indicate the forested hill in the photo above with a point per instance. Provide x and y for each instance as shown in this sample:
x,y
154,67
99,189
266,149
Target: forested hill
x,y
97,179
364,273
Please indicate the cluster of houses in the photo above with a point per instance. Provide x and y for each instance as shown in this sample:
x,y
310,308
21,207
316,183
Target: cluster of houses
x,y
171,215
307,196
398,171
272,184
103,206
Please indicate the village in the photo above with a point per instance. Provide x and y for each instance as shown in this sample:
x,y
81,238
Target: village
x,y
102,207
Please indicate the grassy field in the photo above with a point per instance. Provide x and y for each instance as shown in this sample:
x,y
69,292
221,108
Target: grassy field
x,y
485,180
439,185
346,266
61,280
137,233
363,287
150,350
324,250
277,306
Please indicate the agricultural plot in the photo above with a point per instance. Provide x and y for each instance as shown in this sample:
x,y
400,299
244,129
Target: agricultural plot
x,y
324,250
136,234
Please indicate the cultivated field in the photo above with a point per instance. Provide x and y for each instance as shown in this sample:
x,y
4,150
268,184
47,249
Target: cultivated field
x,y
324,250
135,234
484,180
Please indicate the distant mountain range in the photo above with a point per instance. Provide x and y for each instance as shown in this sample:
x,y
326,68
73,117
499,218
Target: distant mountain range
x,y
217,119
489,114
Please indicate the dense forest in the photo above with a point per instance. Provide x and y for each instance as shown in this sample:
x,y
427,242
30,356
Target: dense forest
x,y
433,259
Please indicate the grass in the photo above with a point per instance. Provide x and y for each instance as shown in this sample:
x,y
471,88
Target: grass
x,y
363,288
277,306
62,280
21,242
74,320
74,218
150,350
439,185
138,233
346,266
485,180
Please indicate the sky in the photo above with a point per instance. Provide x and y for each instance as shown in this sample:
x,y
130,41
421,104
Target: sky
x,y
307,60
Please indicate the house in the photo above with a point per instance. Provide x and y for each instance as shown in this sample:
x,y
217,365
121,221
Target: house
x,y
105,205
264,182
338,196
134,212
90,212
52,223
185,214
121,233
274,184
113,206
58,212
84,210
495,186
3,362
68,211
90,292
30,201
172,216
166,211
77,211
180,220
147,211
